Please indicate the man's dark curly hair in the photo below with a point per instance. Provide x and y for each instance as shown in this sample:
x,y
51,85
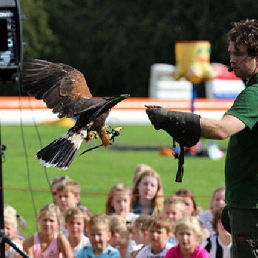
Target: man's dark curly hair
x,y
245,32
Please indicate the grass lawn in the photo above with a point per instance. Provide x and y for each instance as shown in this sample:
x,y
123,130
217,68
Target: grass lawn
x,y
26,182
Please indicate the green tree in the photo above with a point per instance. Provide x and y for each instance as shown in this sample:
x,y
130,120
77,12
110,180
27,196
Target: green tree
x,y
114,43
38,37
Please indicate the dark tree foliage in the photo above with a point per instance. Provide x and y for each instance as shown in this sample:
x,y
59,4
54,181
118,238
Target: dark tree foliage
x,y
114,43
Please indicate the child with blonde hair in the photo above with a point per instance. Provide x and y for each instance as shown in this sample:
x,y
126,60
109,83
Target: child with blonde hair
x,y
139,230
189,235
99,232
48,242
68,196
159,228
120,236
147,193
11,221
119,202
75,223
139,233
140,168
174,208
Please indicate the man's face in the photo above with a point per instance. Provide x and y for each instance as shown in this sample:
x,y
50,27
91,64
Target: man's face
x,y
244,65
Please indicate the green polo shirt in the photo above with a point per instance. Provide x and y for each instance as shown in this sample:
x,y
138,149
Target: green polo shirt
x,y
241,166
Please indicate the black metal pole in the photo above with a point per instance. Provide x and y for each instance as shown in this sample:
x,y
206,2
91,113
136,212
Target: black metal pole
x,y
2,250
3,238
11,27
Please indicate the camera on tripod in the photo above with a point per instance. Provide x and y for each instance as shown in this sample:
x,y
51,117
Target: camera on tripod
x,y
11,45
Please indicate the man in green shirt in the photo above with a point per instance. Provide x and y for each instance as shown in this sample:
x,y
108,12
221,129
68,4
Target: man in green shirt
x,y
240,124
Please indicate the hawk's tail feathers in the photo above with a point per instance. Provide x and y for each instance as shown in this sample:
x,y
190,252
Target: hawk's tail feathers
x,y
61,152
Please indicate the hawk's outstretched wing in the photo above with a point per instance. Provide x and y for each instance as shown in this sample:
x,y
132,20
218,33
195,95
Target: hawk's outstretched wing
x,y
62,87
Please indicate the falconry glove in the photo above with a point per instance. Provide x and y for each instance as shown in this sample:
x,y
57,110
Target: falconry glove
x,y
183,127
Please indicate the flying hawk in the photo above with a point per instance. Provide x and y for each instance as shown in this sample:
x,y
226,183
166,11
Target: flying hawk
x,y
65,91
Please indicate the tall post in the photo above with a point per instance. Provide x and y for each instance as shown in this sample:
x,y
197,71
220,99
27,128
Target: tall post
x,y
194,96
2,250
11,57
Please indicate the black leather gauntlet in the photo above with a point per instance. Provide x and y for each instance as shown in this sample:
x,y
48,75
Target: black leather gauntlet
x,y
183,127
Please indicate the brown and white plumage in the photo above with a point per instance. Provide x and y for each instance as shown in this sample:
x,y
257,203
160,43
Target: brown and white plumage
x,y
65,91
